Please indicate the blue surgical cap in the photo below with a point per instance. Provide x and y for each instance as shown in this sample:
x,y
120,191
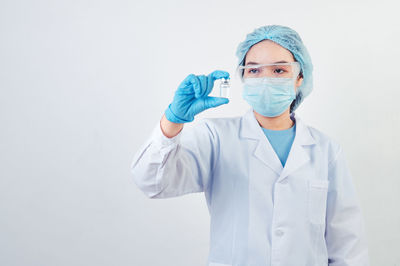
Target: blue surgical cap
x,y
289,39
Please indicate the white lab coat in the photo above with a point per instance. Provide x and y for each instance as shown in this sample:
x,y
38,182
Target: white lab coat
x,y
304,214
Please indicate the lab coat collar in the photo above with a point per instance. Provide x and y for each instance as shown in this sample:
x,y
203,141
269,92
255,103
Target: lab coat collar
x,y
250,129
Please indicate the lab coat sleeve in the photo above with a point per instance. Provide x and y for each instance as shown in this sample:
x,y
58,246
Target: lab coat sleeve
x,y
345,232
168,167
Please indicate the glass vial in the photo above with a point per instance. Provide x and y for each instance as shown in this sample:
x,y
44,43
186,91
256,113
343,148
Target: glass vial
x,y
224,88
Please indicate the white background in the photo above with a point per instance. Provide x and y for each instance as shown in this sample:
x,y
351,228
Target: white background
x,y
83,83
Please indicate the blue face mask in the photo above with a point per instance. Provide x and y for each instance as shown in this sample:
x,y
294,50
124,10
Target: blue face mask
x,y
269,96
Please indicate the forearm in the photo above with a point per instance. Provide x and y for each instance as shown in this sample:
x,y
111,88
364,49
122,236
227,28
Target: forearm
x,y
166,167
170,129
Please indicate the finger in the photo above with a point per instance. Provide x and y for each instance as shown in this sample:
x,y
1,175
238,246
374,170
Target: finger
x,y
202,86
217,74
190,83
211,102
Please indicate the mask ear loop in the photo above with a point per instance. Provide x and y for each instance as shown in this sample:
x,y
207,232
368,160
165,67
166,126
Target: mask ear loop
x,y
297,72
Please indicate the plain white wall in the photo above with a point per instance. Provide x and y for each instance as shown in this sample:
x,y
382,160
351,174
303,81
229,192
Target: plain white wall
x,y
84,82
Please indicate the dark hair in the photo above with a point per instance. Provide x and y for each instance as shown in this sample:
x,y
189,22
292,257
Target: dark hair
x,y
292,105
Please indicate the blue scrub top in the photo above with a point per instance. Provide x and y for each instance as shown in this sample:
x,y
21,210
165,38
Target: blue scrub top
x,y
281,141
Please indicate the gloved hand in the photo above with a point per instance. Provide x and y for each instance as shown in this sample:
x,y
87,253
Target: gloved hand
x,y
191,97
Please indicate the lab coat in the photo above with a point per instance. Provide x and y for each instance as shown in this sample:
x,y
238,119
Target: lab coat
x,y
262,214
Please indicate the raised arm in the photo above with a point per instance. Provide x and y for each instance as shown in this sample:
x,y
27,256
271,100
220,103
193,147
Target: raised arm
x,y
175,161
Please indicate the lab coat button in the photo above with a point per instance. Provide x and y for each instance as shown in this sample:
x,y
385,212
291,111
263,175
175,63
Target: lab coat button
x,y
279,232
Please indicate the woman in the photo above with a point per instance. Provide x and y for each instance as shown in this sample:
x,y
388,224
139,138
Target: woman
x,y
279,192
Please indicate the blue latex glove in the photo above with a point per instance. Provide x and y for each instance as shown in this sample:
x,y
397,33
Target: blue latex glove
x,y
191,97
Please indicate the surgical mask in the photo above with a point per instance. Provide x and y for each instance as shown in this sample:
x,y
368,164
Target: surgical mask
x,y
269,96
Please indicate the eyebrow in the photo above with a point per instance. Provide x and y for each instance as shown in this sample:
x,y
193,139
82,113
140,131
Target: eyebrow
x,y
255,63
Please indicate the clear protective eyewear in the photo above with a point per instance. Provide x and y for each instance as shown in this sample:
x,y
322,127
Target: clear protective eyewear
x,y
277,70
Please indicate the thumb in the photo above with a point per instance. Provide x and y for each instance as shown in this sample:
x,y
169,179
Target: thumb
x,y
210,102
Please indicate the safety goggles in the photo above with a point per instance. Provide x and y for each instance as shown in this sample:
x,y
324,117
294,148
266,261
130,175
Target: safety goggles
x,y
278,70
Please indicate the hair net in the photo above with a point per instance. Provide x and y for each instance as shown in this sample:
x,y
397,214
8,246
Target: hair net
x,y
289,39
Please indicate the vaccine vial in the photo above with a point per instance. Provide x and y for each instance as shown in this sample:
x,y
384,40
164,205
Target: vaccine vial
x,y
224,88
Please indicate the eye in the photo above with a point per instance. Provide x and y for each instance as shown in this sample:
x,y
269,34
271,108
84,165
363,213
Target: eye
x,y
279,71
253,70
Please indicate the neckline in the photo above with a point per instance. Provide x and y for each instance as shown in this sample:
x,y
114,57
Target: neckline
x,y
292,128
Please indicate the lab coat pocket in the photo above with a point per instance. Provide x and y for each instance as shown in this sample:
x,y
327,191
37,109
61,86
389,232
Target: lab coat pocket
x,y
317,196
